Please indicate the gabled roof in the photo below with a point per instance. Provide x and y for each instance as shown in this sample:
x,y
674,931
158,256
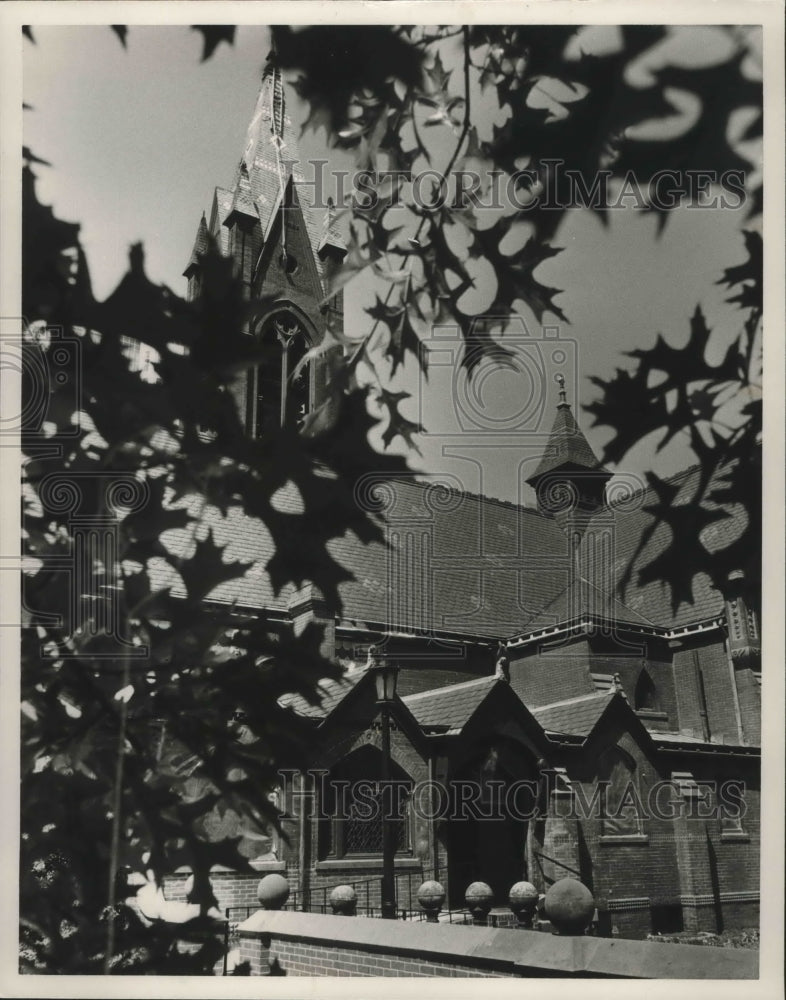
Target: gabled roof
x,y
496,567
200,245
330,692
449,708
632,522
575,716
330,236
222,206
243,199
441,708
582,599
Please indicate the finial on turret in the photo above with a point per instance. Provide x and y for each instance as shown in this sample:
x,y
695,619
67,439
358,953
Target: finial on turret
x,y
563,398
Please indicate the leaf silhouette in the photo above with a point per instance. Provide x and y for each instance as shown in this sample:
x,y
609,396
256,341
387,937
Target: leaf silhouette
x,y
213,35
687,521
398,424
687,364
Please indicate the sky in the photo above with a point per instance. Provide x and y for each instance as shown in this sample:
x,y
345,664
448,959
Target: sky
x,y
139,138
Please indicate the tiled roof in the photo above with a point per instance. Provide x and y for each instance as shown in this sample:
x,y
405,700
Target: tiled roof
x,y
581,599
695,741
200,244
653,600
329,692
567,446
270,159
243,199
449,707
222,206
574,717
497,569
330,235
269,163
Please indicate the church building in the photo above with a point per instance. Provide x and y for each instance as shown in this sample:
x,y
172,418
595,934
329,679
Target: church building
x,y
547,721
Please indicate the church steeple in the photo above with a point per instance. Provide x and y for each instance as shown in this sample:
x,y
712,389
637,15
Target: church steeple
x,y
281,246
569,475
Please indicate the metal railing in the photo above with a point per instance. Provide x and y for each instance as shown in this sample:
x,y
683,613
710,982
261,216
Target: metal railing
x,y
559,864
368,894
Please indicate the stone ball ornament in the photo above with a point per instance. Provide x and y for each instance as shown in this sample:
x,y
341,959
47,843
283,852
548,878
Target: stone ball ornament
x,y
570,906
431,896
523,901
479,898
273,892
343,901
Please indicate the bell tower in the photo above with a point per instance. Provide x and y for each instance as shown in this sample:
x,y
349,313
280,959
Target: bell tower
x,y
569,479
281,247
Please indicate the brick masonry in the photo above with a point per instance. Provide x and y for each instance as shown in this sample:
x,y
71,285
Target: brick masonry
x,y
305,959
310,945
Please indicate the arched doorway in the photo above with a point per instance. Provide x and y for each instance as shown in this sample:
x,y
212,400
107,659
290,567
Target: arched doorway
x,y
492,795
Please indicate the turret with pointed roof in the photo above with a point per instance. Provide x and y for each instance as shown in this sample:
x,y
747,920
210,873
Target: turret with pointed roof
x,y
569,475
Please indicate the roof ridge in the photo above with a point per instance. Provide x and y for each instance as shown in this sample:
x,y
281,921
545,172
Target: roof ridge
x,y
573,701
612,593
476,682
471,494
681,473
569,587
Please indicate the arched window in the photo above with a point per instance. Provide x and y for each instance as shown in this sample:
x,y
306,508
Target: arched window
x,y
622,811
354,802
280,386
646,694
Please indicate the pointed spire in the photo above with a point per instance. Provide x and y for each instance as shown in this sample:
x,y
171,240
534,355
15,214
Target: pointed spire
x,y
268,179
569,466
567,445
200,247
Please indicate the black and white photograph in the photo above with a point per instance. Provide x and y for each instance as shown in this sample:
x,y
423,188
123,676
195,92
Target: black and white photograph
x,y
392,572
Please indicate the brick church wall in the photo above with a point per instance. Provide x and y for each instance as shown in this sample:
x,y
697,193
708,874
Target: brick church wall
x,y
720,692
634,879
555,675
749,698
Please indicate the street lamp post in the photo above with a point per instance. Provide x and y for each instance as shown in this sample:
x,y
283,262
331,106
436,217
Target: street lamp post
x,y
385,678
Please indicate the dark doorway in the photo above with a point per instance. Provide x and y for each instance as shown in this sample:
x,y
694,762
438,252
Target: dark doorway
x,y
485,842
